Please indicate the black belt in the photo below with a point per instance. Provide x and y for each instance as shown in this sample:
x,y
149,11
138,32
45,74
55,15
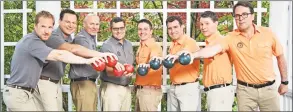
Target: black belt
x,y
256,85
184,83
31,90
216,86
83,78
49,79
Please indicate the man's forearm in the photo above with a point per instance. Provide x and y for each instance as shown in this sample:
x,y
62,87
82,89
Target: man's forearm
x,y
282,67
207,52
70,58
84,52
79,50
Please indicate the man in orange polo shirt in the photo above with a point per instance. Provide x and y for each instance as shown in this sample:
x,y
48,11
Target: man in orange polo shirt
x,y
217,74
149,93
251,48
184,91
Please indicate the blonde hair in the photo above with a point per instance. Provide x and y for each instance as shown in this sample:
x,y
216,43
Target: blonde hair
x,y
44,14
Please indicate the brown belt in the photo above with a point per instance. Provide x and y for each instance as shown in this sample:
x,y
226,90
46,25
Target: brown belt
x,y
49,79
149,87
31,90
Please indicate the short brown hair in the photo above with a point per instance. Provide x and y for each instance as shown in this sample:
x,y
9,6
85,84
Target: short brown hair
x,y
44,14
209,14
116,20
145,21
173,18
243,4
67,11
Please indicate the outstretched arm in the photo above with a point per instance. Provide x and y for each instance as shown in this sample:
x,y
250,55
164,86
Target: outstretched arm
x,y
68,57
84,52
207,52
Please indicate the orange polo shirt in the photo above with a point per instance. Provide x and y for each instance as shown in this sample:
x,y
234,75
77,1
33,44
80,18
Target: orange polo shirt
x,y
144,53
217,70
184,73
252,58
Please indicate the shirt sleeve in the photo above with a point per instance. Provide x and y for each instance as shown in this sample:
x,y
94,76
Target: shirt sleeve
x,y
225,43
191,46
106,48
82,41
156,51
55,41
132,53
39,50
276,47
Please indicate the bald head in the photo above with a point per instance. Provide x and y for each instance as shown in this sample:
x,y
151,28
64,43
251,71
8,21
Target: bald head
x,y
91,24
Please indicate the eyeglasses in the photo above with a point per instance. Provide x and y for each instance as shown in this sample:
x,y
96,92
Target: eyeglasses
x,y
243,15
119,28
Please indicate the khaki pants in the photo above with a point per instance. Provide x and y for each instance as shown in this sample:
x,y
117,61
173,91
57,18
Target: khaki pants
x,y
84,95
115,97
184,97
19,100
148,99
49,95
220,99
266,98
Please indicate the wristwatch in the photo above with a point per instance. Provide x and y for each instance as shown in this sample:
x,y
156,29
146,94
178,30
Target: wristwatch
x,y
284,82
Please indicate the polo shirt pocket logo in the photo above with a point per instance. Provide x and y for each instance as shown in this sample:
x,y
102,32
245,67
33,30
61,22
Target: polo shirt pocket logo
x,y
240,44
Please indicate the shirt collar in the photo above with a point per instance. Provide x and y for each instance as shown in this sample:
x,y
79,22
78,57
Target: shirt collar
x,y
58,31
213,37
255,27
148,42
181,40
36,35
116,41
87,34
